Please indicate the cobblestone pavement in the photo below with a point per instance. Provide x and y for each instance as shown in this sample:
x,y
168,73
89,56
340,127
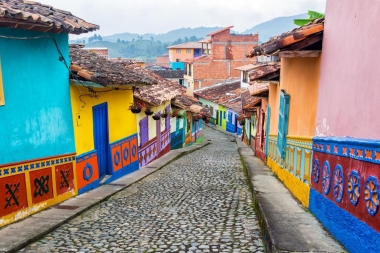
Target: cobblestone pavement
x,y
198,203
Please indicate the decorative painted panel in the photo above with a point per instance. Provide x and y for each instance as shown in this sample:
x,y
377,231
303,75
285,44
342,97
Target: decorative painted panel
x,y
30,186
148,152
116,156
126,153
165,139
14,195
64,178
87,169
134,149
348,179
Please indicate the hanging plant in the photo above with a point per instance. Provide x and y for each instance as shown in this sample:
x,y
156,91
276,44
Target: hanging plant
x,y
196,117
136,107
164,114
148,111
242,122
180,116
156,116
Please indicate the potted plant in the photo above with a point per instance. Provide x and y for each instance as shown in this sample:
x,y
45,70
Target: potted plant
x,y
156,116
196,117
242,122
164,114
180,116
148,111
135,107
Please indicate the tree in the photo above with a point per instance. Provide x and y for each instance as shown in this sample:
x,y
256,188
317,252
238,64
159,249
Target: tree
x,y
100,38
133,40
95,36
312,15
84,42
151,38
90,39
123,41
186,39
118,40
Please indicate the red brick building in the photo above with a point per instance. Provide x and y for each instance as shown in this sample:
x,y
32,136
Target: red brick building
x,y
228,51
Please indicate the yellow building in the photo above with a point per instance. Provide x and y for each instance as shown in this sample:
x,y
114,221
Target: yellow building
x,y
104,128
292,105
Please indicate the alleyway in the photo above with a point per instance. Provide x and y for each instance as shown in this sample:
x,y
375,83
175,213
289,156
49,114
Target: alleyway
x,y
199,203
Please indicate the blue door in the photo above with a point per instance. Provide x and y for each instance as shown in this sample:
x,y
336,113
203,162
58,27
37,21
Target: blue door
x,y
101,136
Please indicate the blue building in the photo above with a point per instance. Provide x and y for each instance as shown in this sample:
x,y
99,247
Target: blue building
x,y
37,151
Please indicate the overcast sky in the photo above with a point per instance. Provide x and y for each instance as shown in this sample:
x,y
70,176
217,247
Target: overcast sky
x,y
161,16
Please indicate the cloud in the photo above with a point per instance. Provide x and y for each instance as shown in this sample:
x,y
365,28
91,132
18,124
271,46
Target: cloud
x,y
147,16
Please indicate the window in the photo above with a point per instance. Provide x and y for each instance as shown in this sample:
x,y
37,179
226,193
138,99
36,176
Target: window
x,y
230,117
180,81
245,76
188,51
283,120
2,99
178,51
144,131
211,110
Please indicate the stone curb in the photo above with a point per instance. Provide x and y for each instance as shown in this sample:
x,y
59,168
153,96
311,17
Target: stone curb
x,y
17,235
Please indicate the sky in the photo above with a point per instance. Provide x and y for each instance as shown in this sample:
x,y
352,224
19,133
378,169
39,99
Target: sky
x,y
153,16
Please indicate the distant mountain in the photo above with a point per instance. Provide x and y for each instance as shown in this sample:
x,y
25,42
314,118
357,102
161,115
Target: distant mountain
x,y
170,36
275,27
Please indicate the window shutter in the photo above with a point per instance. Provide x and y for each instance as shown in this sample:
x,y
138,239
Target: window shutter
x,y
283,123
267,129
144,131
230,117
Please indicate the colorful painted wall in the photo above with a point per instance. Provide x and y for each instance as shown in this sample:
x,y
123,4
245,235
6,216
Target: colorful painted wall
x,y
37,151
213,109
158,141
346,172
345,190
300,80
177,131
232,124
353,74
120,150
222,117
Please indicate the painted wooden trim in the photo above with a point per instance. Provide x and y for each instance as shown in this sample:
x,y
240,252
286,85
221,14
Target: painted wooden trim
x,y
301,53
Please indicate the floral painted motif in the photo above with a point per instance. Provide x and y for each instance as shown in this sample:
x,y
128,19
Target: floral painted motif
x,y
316,169
354,187
371,195
338,183
326,177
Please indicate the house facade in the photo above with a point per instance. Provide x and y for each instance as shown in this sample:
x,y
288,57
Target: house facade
x,y
105,130
228,51
344,192
37,157
179,53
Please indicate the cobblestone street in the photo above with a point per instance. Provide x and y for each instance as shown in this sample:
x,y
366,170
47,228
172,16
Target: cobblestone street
x,y
198,203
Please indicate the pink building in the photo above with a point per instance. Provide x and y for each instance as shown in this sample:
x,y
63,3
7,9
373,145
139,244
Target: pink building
x,y
346,148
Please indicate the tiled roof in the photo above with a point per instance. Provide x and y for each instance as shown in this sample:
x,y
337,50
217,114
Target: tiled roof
x,y
259,89
219,31
186,45
158,93
29,15
92,67
190,104
170,73
206,40
246,67
235,105
288,38
261,71
221,92
249,102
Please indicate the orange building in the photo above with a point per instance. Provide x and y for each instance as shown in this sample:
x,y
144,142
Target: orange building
x,y
179,53
222,53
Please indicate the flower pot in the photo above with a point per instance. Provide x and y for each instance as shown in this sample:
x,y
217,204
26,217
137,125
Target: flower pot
x,y
156,117
164,115
148,112
136,110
